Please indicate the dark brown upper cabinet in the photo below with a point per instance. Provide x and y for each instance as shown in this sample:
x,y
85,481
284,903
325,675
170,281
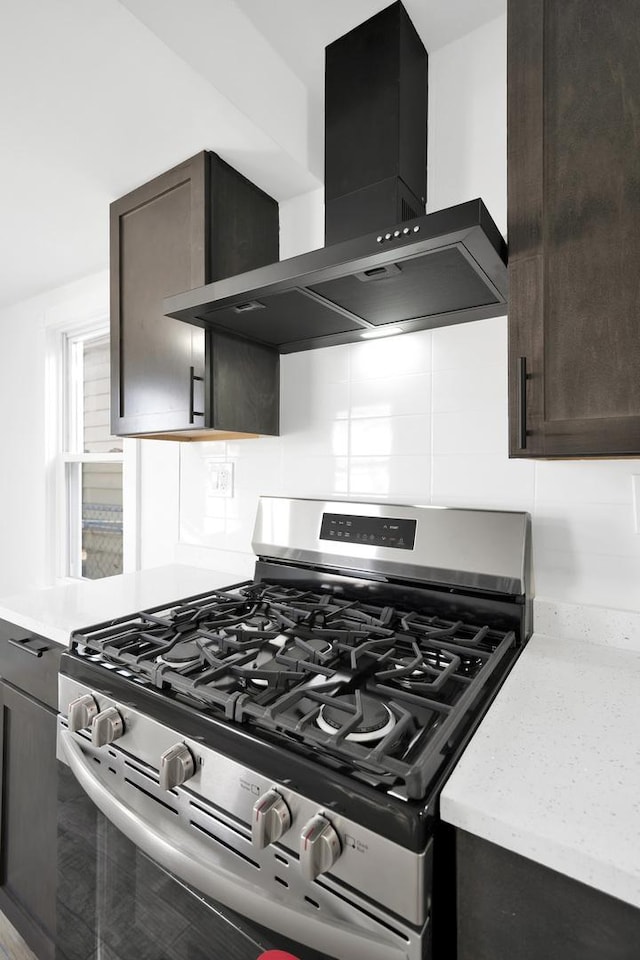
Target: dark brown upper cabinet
x,y
199,222
574,228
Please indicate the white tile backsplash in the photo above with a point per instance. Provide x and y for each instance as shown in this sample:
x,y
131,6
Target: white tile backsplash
x,y
328,365
391,396
489,480
320,476
307,400
471,430
389,357
422,418
320,438
581,528
390,436
588,578
471,346
483,388
398,478
584,481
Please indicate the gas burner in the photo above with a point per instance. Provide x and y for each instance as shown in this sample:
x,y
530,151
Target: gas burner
x,y
376,722
292,654
425,667
184,654
403,663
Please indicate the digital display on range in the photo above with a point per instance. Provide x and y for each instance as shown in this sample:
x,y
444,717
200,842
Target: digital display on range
x,y
374,531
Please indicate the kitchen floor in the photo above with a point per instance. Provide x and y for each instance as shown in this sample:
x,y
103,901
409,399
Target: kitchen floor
x,y
12,946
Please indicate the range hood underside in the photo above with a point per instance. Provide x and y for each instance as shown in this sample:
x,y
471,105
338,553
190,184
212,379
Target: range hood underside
x,y
451,269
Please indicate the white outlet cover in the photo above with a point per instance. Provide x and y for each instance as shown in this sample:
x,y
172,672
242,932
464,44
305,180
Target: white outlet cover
x,y
635,486
220,480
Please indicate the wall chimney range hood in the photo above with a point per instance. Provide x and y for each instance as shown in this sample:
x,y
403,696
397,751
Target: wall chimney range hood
x,y
393,268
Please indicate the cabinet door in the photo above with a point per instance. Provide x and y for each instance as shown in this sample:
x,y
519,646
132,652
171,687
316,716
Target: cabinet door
x,y
574,228
29,818
510,908
158,248
30,662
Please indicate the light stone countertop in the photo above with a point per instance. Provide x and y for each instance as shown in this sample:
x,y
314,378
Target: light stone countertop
x,y
553,771
56,611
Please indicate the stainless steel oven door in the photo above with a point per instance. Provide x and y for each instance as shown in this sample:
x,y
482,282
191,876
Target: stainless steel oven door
x,y
208,853
114,902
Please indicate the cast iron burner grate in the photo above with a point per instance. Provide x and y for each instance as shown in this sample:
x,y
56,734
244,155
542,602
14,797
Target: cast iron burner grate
x,y
379,690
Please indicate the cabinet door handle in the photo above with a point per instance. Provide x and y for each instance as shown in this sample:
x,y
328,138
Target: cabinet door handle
x,y
30,645
523,376
192,380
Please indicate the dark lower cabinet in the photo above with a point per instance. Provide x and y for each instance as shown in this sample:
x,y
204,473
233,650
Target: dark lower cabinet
x,y
199,222
511,908
28,823
573,93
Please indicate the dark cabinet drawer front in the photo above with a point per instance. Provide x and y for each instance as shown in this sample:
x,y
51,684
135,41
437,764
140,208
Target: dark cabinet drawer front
x,y
30,662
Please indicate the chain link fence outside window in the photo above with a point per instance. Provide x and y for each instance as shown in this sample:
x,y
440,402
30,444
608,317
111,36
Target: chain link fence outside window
x,y
101,540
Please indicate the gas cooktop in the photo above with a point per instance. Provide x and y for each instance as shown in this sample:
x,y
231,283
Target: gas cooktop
x,y
368,685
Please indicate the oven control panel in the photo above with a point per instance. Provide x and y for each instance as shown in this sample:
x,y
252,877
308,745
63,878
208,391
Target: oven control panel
x,y
399,534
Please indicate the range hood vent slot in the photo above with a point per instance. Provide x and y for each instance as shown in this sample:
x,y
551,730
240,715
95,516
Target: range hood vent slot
x,y
378,273
247,307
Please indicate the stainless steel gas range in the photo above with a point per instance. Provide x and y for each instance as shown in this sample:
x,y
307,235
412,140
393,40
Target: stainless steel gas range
x,y
280,745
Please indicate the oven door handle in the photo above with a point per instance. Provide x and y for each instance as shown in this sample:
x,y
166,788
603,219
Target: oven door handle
x,y
188,861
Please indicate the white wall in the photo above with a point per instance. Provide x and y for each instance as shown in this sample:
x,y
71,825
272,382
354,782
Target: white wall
x,y
22,477
27,555
25,415
422,418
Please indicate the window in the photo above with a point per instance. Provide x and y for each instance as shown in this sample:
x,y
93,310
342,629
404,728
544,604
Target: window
x,y
91,470
92,463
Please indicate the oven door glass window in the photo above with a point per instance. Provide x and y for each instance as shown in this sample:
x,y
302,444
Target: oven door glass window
x,y
115,903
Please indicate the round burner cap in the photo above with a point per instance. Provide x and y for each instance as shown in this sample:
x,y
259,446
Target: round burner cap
x,y
184,653
377,720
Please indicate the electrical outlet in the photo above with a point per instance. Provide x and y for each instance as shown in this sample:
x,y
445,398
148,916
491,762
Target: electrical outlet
x,y
635,481
220,479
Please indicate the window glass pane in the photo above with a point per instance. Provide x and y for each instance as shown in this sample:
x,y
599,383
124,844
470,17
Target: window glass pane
x,y
101,519
96,399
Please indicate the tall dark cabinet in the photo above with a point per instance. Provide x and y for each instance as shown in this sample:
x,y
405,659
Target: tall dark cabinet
x,y
199,222
28,777
574,228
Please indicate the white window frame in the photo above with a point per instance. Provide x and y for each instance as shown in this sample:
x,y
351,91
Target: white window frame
x,y
64,449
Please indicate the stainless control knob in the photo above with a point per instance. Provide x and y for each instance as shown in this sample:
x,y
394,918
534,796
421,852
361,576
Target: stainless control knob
x,y
107,726
271,818
319,847
81,712
176,766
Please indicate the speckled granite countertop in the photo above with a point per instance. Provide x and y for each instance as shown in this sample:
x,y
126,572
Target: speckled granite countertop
x,y
56,611
553,772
